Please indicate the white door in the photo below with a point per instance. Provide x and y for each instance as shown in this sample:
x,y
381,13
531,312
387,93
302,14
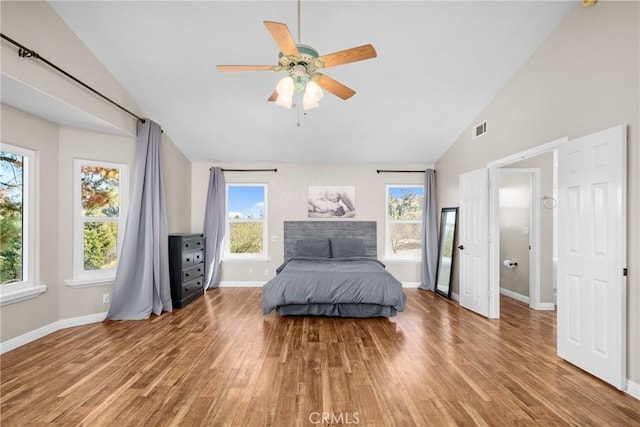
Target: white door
x,y
592,254
473,243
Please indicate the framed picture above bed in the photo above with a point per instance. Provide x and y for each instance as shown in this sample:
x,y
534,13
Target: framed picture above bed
x,y
331,202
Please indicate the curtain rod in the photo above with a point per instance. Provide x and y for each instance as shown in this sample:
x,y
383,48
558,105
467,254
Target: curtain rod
x,y
397,171
248,170
25,52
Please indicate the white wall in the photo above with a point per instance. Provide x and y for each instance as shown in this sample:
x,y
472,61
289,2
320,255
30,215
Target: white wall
x,y
27,131
515,207
287,201
37,26
582,79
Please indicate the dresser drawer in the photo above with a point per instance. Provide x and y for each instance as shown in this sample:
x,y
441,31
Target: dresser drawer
x,y
192,272
191,258
198,256
192,243
192,287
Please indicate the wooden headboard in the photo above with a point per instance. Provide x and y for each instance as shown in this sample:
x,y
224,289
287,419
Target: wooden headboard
x,y
297,230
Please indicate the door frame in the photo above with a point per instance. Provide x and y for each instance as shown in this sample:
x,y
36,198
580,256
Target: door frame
x,y
494,218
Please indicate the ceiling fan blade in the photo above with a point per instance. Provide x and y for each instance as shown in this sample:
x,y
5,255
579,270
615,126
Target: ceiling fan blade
x,y
336,88
283,38
273,96
232,68
354,54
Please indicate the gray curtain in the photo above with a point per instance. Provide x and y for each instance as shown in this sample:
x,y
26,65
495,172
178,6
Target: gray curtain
x,y
214,225
429,232
142,285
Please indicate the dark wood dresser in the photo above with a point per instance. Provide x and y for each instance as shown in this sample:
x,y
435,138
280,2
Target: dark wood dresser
x,y
186,268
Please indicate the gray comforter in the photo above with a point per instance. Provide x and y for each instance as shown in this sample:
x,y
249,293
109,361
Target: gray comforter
x,y
333,281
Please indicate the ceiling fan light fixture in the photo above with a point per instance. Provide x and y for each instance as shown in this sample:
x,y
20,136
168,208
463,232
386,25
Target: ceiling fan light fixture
x,y
313,91
285,101
312,95
285,89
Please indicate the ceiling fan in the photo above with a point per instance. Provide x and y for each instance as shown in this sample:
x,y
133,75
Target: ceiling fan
x,y
302,64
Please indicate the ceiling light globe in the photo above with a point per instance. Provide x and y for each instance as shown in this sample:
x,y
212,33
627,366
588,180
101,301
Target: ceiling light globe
x,y
285,87
308,103
313,91
284,101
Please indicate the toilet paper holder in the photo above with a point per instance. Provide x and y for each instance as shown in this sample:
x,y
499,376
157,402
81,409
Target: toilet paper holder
x,y
510,263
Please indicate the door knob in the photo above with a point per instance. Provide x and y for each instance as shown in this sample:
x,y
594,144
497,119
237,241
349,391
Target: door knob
x,y
461,247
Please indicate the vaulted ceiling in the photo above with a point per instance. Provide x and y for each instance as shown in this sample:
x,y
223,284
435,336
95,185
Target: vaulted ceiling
x,y
438,65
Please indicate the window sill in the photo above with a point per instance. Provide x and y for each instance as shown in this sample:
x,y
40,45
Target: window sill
x,y
89,283
18,295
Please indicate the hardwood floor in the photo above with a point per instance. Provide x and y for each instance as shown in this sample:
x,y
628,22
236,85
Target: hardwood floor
x,y
220,361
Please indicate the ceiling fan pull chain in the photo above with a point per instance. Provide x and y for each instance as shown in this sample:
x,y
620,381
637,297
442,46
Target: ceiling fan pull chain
x,y
298,108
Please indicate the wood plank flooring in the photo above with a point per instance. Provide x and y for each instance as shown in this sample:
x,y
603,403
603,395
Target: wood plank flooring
x,y
221,362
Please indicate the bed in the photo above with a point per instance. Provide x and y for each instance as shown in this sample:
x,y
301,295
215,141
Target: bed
x,y
330,269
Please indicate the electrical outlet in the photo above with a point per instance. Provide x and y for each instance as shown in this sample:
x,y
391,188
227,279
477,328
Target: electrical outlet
x,y
266,272
106,298
250,272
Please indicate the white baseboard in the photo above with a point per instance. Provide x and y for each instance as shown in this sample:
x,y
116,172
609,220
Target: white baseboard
x,y
241,284
514,295
49,329
545,306
82,320
410,284
633,389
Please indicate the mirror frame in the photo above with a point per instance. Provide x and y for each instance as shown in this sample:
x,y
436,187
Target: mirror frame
x,y
443,214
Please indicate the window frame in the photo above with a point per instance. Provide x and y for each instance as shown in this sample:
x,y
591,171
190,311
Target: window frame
x,y
82,277
388,252
227,255
27,288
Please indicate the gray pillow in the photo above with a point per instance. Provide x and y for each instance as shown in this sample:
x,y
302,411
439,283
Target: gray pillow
x,y
346,248
317,248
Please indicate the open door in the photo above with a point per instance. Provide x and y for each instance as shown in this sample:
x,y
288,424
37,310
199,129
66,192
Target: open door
x,y
592,254
473,241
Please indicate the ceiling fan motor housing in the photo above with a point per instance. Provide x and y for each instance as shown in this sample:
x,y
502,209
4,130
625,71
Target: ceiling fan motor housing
x,y
308,59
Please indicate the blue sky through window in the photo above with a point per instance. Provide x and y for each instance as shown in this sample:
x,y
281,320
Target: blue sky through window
x,y
245,201
401,191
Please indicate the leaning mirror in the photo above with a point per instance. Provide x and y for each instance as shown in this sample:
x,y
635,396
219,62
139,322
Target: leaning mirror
x,y
445,251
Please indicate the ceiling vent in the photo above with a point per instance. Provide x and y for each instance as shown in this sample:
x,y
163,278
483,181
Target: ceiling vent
x,y
479,129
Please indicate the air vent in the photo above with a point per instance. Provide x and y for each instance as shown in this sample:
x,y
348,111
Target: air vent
x,y
479,130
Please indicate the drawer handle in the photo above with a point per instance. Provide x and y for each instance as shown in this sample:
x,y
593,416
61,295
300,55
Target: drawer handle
x,y
186,289
188,259
186,274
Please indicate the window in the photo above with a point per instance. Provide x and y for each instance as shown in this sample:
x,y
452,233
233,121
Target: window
x,y
100,207
404,221
246,221
17,224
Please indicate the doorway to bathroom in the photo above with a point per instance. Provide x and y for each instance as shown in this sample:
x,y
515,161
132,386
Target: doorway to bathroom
x,y
526,202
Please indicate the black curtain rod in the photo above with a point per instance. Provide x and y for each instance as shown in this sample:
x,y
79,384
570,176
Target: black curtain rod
x,y
25,52
396,171
248,170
